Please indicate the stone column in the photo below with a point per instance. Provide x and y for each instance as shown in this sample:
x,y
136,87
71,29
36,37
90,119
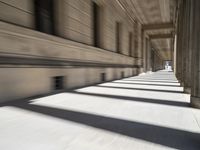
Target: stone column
x,y
179,45
195,47
136,50
148,55
153,60
172,52
140,47
183,41
175,53
186,47
185,50
146,52
144,48
156,61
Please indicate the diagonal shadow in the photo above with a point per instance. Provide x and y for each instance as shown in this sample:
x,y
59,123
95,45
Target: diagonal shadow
x,y
121,82
136,99
160,74
130,88
153,78
174,138
175,82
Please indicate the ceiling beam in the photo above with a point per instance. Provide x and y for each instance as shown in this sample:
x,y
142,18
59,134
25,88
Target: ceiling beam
x,y
160,36
157,26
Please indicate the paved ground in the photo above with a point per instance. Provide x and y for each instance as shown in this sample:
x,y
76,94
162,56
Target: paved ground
x,y
143,112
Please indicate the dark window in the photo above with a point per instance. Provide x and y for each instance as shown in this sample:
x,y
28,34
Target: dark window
x,y
135,39
122,74
136,47
58,82
133,72
130,43
152,59
118,37
44,20
103,77
96,24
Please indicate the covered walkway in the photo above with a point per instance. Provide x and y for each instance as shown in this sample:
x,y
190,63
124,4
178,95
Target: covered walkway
x,y
143,112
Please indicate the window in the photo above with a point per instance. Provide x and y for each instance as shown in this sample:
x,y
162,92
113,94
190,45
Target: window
x,y
152,59
135,39
44,20
130,43
58,83
103,77
122,74
118,37
96,24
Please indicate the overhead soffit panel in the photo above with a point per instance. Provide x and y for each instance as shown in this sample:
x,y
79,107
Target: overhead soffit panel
x,y
153,12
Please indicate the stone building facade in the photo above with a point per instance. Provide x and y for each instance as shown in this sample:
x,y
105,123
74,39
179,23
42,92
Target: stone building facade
x,y
54,45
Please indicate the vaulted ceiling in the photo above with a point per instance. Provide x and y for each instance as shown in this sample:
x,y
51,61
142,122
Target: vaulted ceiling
x,y
157,18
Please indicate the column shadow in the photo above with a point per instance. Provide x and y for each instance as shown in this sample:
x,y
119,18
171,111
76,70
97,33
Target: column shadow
x,y
143,89
155,79
138,80
173,138
135,99
121,82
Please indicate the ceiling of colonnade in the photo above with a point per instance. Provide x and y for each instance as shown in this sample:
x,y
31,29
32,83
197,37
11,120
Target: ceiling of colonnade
x,y
157,18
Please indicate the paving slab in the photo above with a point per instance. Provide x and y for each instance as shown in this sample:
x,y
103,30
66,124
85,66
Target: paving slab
x,y
145,112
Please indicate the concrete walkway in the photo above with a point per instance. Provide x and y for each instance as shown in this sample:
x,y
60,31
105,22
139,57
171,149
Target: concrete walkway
x,y
146,112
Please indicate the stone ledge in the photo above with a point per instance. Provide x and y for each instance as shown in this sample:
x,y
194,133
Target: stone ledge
x,y
33,43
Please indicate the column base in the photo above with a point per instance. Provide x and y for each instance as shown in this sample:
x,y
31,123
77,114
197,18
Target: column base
x,y
187,90
182,84
195,102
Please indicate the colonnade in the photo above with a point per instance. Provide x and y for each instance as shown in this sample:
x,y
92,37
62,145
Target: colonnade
x,y
187,60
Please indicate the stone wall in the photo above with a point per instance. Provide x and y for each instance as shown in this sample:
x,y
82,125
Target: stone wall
x,y
30,59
